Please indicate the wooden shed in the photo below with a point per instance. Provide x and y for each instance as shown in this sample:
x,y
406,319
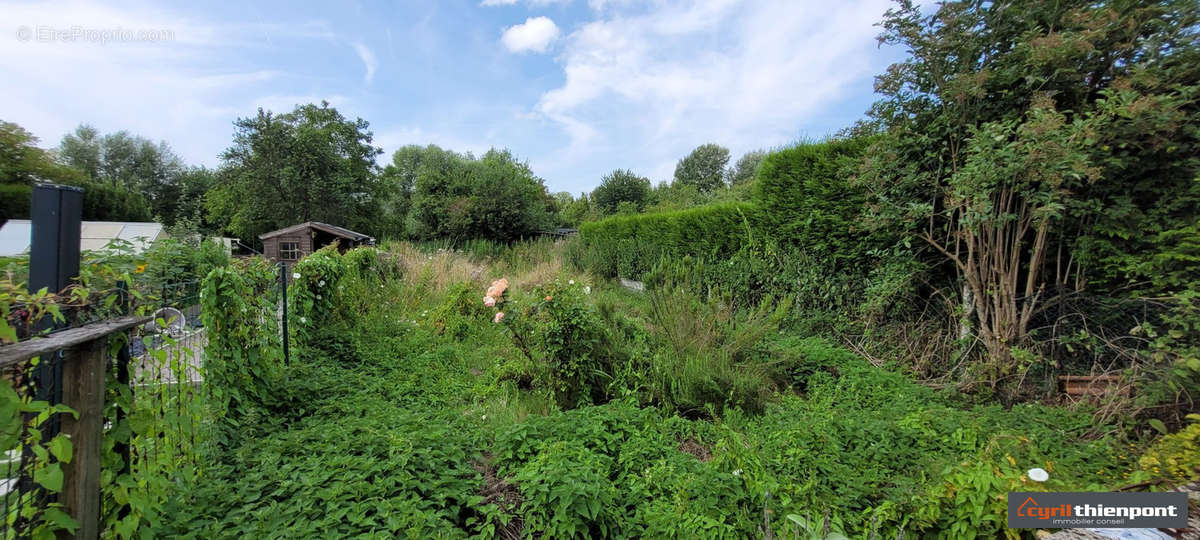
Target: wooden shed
x,y
293,243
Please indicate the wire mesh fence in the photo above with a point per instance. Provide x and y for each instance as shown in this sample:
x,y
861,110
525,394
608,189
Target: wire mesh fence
x,y
151,410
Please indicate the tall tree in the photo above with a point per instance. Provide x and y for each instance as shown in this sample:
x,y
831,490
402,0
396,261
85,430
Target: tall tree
x,y
494,197
396,188
621,186
311,164
745,168
703,168
127,161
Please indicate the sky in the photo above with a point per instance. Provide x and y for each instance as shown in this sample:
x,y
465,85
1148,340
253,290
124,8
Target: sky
x,y
575,87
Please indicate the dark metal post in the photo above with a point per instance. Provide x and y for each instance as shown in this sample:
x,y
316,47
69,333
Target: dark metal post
x,y
53,263
54,242
283,280
56,212
123,359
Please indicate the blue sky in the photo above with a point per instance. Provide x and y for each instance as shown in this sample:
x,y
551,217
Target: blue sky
x,y
576,87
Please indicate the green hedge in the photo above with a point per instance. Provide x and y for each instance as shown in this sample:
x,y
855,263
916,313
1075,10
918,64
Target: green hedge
x,y
629,246
14,201
101,202
808,200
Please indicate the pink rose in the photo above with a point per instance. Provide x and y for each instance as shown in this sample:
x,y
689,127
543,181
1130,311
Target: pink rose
x,y
498,317
489,301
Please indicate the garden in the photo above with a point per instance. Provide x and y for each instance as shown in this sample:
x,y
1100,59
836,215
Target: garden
x,y
987,284
502,392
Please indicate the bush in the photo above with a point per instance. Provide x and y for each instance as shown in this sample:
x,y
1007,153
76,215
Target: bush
x,y
460,312
561,334
314,291
1175,458
242,359
808,201
14,201
629,246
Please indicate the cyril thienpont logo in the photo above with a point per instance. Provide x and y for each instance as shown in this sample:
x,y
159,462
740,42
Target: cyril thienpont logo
x,y
1114,510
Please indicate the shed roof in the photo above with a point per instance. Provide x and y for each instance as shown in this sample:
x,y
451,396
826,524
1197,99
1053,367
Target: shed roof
x,y
16,233
325,227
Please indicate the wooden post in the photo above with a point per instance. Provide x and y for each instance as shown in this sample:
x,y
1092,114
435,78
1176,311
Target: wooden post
x,y
83,390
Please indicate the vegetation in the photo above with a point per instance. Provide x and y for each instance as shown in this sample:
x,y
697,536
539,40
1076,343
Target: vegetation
x,y
629,246
704,168
495,197
621,187
307,165
588,410
860,336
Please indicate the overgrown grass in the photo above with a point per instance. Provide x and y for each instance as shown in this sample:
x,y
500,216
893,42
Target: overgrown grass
x,y
419,416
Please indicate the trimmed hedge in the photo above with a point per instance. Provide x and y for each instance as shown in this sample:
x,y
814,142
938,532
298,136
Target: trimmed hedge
x,y
808,201
101,202
629,246
14,201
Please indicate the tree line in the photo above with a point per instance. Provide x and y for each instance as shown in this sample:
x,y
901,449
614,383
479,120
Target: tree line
x,y
312,163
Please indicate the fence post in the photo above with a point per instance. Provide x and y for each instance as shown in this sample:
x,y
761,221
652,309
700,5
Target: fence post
x,y
83,390
283,280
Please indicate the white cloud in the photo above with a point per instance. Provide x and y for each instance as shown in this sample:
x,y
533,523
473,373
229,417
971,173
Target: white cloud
x,y
394,138
185,89
370,63
280,103
654,84
490,3
535,34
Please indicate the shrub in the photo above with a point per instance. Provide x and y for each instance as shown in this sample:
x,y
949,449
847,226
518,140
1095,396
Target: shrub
x,y
807,200
314,292
14,201
242,359
709,361
460,312
630,245
1175,458
563,335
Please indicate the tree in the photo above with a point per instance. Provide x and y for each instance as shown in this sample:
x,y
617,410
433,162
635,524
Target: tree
x,y
311,164
396,188
82,150
620,186
1021,137
704,168
23,164
130,162
575,210
745,168
183,200
495,197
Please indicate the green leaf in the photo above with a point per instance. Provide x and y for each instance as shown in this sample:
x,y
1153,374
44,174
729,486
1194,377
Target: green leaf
x,y
50,478
61,519
1158,425
62,448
